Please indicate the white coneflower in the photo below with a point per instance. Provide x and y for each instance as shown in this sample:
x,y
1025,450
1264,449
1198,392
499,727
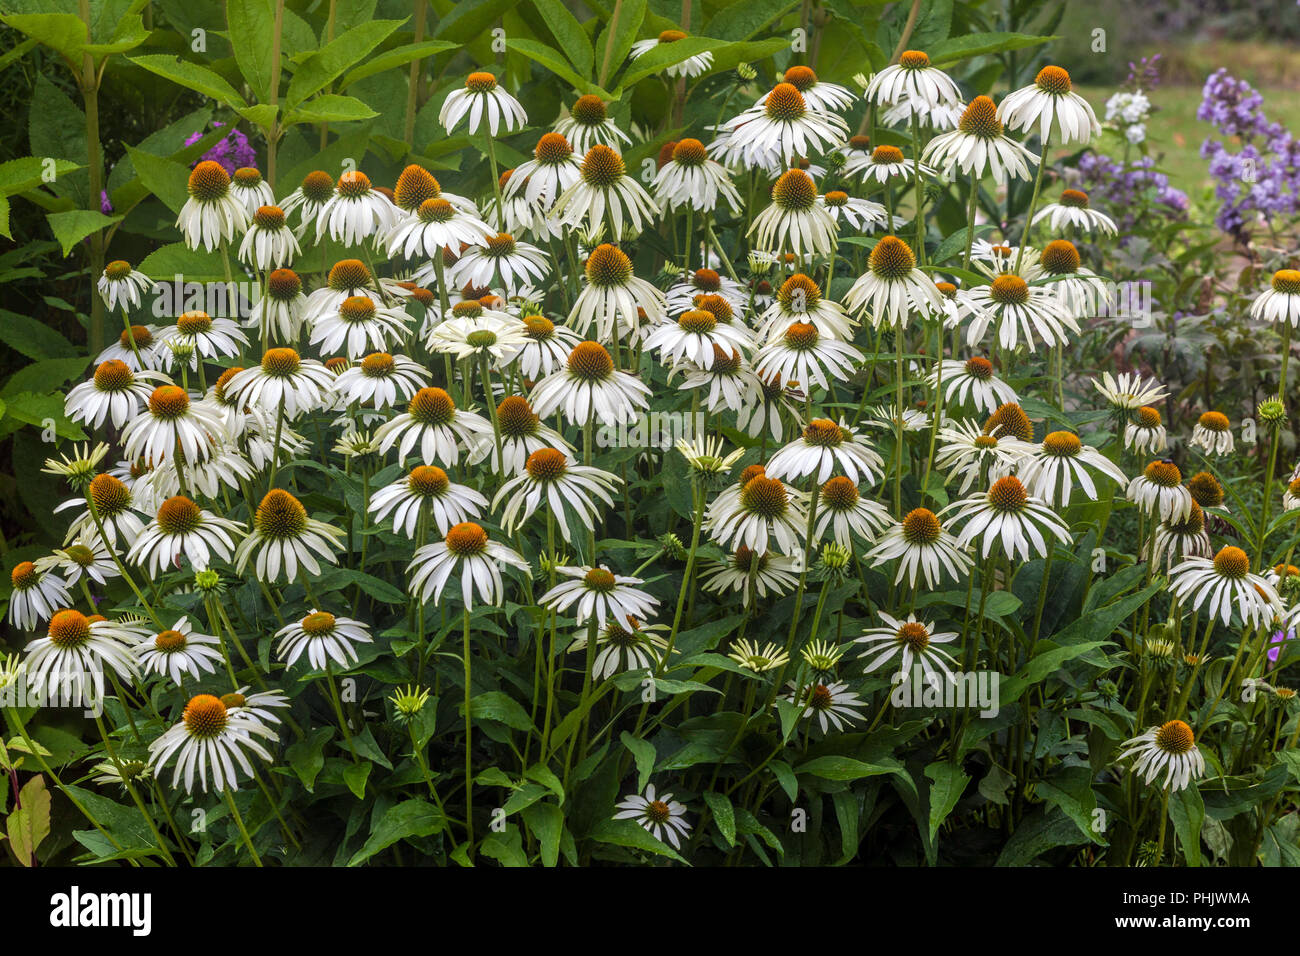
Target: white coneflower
x,y
1072,211
172,424
588,123
1052,468
467,549
589,387
323,638
269,242
613,295
426,490
913,82
1159,491
252,191
822,449
434,422
307,200
955,304
768,571
202,337
848,513
1184,538
285,536
973,454
545,348
940,119
522,434
1009,517
1212,434
120,286
833,704
1081,291
800,299
764,509
805,356
115,505
729,379
914,644
759,660
1017,310
181,527
818,93
978,146
689,68
211,738
359,325
35,596
278,314
893,289
691,179
138,338
639,647
541,180
473,332
178,651
696,336
856,152
972,383
1291,497
1145,431
86,556
501,262
595,591
437,224
887,165
283,380
381,379
794,220
69,661
485,104
211,215
115,393
779,130
661,816
1050,102
551,479
355,212
1169,748
1223,584
923,546
1129,390
226,467
861,214
605,196
1281,302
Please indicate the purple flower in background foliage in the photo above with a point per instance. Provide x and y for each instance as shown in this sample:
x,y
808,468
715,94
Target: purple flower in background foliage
x,y
231,151
1145,73
1123,190
1275,645
105,206
1263,178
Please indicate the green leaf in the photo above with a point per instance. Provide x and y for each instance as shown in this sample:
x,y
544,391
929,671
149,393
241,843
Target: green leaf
x,y
842,768
397,57
724,815
616,39
643,752
569,34
307,756
30,172
1041,830
40,377
252,35
1070,788
76,224
629,834
165,178
501,707
192,76
949,781
663,56
176,259
63,32
742,20
328,63
355,776
28,826
329,108
546,822
410,818
32,338
979,44
1187,813
555,63
470,21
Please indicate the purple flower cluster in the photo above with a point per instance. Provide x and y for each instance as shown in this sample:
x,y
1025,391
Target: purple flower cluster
x,y
1263,177
1128,191
1145,73
232,151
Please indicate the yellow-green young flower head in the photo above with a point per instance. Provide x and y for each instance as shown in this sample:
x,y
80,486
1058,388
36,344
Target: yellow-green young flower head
x,y
408,702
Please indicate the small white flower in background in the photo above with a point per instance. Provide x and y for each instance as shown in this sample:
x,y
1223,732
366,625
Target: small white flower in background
x,y
178,651
689,67
662,816
833,704
1072,211
323,638
1159,490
